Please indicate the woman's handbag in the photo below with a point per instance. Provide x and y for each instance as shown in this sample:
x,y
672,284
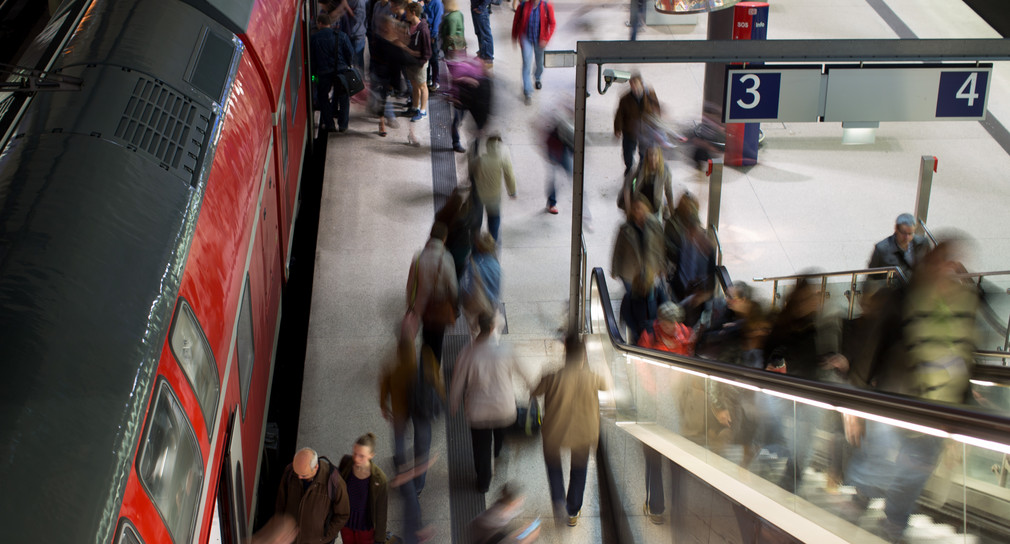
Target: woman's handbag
x,y
350,81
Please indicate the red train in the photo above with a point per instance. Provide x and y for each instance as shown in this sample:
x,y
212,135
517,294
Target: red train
x,y
146,221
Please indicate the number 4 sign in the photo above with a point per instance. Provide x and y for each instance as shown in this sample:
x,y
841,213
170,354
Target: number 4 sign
x,y
962,93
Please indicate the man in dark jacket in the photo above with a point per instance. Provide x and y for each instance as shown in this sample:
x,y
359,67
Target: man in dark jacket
x,y
314,494
635,105
902,249
323,45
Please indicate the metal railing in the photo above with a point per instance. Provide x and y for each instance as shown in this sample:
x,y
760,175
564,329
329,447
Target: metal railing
x,y
891,273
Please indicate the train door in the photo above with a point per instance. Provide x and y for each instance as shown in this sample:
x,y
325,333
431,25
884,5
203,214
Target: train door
x,y
230,525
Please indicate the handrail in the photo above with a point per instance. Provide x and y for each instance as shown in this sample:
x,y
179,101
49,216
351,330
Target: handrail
x,y
718,245
584,288
929,234
953,419
861,271
982,274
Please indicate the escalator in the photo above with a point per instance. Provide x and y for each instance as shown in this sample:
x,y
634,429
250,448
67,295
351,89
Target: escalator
x,y
696,450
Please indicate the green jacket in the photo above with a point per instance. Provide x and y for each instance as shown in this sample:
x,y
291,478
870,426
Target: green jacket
x,y
377,495
451,32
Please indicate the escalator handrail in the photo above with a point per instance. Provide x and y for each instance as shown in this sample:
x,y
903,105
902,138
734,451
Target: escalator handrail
x,y
954,419
858,272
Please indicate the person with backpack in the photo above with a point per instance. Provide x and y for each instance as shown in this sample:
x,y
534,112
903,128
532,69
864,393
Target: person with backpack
x,y
432,289
313,493
482,381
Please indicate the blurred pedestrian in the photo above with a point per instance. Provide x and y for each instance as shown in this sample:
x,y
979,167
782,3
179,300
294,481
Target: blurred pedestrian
x,y
397,387
481,12
432,289
500,522
571,421
366,492
433,12
638,102
472,91
560,143
461,216
482,381
939,341
480,288
451,31
323,45
418,47
313,493
532,27
490,164
652,178
669,333
638,261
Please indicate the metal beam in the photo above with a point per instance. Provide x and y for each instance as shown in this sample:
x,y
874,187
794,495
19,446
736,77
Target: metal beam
x,y
609,52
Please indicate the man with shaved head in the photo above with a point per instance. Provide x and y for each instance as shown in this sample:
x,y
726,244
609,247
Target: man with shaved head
x,y
314,494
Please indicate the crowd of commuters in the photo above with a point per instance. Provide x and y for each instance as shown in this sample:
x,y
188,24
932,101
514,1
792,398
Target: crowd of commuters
x,y
413,47
914,338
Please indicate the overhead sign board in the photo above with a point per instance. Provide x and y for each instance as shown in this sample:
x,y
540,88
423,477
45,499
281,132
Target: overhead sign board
x,y
773,94
914,93
917,92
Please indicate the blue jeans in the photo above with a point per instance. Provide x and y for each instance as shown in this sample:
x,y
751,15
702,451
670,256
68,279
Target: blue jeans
x,y
359,53
531,50
576,478
482,28
565,162
343,107
628,147
422,445
324,85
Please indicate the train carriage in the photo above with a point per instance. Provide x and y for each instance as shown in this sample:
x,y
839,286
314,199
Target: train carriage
x,y
145,227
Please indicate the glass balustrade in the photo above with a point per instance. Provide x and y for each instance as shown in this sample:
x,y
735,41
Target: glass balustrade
x,y
732,450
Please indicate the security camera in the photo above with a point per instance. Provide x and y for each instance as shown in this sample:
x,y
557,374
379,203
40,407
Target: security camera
x,y
615,76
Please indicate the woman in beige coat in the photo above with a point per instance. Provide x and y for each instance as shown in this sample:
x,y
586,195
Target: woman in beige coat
x,y
571,420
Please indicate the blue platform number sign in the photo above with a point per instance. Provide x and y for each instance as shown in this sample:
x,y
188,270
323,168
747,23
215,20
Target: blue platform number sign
x,y
961,94
755,95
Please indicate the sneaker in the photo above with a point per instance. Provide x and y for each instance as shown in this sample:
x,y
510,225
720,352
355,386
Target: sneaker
x,y
413,140
418,116
434,87
553,210
391,122
528,100
574,520
537,85
458,148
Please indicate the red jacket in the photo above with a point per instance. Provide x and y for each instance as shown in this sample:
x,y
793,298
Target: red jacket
x,y
680,342
522,17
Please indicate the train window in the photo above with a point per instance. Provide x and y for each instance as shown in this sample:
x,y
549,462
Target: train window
x,y
127,533
246,349
170,464
194,355
213,62
295,70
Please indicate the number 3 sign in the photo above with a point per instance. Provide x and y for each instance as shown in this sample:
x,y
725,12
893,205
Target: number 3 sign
x,y
755,95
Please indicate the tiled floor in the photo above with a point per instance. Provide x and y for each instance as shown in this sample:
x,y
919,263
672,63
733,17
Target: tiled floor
x,y
811,202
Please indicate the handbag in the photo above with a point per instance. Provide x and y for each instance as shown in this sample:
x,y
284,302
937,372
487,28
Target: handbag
x,y
350,81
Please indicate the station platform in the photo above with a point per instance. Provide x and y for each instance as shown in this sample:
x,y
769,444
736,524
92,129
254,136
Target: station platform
x,y
810,202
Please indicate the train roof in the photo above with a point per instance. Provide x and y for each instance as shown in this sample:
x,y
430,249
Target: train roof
x,y
100,191
89,271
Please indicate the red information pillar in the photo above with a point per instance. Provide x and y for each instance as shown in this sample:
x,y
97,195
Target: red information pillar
x,y
750,22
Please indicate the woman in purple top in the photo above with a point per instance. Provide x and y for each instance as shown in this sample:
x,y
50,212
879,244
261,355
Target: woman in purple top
x,y
366,489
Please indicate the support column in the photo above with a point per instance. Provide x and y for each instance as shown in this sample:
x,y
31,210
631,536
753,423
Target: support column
x,y
927,166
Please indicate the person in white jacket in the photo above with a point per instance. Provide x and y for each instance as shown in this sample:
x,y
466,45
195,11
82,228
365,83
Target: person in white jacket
x,y
482,379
